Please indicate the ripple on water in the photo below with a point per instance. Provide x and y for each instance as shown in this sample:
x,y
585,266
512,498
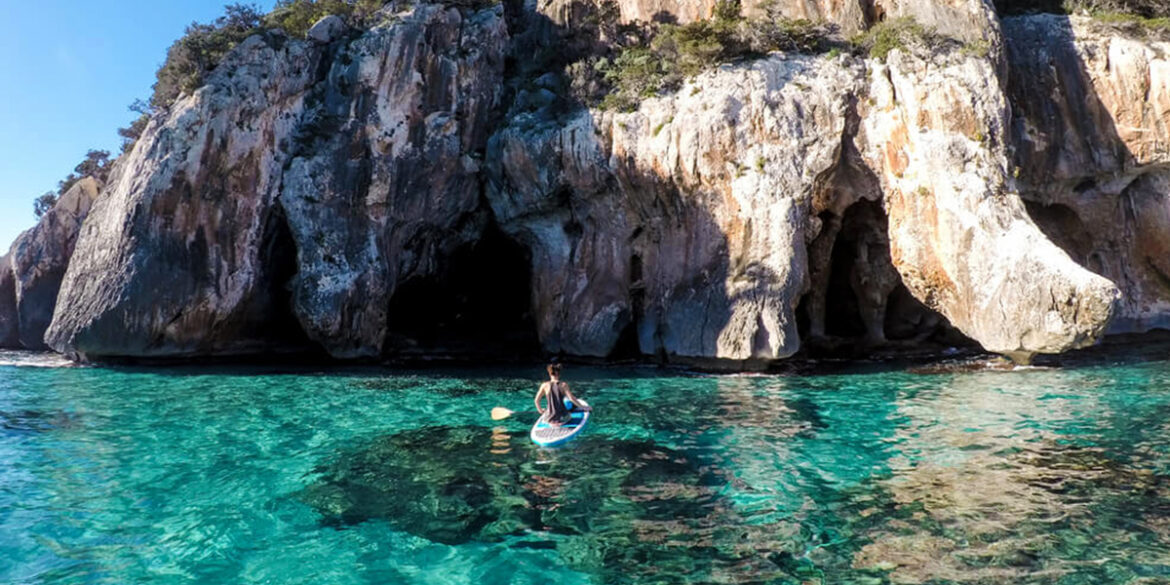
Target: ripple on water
x,y
209,476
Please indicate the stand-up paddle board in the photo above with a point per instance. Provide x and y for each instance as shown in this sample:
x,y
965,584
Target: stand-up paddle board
x,y
547,435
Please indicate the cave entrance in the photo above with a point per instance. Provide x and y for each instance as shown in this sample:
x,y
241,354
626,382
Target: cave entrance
x,y
857,298
479,304
270,320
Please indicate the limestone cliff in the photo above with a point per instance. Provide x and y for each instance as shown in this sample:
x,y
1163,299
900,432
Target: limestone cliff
x,y
388,185
176,256
31,273
333,194
1092,133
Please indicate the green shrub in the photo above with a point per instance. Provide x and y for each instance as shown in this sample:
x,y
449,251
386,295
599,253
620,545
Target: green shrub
x,y
96,164
200,50
671,53
296,17
1142,9
1135,23
900,33
44,203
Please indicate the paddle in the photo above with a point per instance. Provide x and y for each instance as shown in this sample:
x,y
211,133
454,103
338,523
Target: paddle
x,y
501,413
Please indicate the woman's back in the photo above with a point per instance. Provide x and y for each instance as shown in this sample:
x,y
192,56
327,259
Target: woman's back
x,y
556,400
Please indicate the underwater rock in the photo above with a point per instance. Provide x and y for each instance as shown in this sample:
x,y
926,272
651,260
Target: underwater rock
x,y
456,484
607,505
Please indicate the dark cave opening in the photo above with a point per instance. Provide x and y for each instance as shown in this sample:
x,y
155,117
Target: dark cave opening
x,y
863,303
478,304
277,322
627,346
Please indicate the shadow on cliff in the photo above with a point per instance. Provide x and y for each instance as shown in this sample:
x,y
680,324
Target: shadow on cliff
x,y
674,263
1074,161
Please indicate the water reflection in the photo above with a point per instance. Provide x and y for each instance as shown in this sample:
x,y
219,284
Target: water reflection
x,y
1042,476
1000,479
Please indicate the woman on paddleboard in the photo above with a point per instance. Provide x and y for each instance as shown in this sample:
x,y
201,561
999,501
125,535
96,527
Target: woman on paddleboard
x,y
556,392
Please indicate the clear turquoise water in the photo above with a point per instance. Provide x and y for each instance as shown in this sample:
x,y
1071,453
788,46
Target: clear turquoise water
x,y
372,476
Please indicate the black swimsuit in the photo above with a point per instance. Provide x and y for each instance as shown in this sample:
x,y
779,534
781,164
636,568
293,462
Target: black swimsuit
x,y
557,411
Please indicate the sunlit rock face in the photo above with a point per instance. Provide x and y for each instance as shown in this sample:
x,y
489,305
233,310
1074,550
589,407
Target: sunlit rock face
x,y
937,130
963,19
1092,130
684,220
372,152
289,203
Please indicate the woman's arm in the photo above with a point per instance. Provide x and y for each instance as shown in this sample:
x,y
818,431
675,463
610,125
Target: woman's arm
x,y
539,393
576,401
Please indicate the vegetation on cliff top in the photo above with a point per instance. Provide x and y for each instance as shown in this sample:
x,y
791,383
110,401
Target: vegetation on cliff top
x,y
200,50
653,57
900,33
1130,9
96,164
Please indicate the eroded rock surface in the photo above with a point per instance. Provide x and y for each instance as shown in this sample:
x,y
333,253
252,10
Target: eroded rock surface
x,y
684,220
293,199
9,330
176,258
959,234
1093,148
388,185
40,257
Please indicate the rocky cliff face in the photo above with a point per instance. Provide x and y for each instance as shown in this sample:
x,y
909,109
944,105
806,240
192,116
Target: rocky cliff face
x,y
684,221
335,194
1092,131
31,273
177,255
967,20
388,185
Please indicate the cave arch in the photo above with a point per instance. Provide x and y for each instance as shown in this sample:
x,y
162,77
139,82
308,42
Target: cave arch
x,y
478,305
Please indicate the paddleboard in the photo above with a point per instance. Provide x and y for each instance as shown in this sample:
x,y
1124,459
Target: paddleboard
x,y
547,435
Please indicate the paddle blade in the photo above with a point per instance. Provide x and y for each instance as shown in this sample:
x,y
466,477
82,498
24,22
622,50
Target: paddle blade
x,y
500,413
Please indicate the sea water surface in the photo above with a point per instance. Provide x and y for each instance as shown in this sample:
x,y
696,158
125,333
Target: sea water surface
x,y
260,475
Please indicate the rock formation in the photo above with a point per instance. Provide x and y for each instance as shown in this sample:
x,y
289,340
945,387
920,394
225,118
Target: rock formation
x,y
1092,135
959,234
313,192
9,330
388,186
178,255
31,273
685,219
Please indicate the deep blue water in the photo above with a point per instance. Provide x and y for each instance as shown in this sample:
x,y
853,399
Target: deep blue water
x,y
254,475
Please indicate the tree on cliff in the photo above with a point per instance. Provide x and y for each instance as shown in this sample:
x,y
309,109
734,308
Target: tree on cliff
x,y
44,203
295,17
200,50
97,164
131,133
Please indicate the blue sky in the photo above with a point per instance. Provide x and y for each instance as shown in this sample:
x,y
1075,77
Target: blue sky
x,y
68,69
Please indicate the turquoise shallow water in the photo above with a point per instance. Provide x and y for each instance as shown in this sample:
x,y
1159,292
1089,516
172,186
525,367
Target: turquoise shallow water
x,y
201,475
